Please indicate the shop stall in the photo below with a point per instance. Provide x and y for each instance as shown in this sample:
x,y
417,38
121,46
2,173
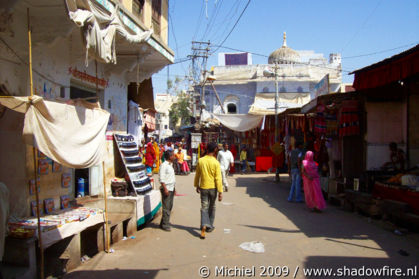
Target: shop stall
x,y
56,226
135,187
331,126
44,187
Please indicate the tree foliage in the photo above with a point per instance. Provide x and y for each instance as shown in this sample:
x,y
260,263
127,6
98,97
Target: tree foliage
x,y
181,108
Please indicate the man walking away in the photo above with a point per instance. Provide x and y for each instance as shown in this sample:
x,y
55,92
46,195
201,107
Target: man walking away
x,y
225,157
208,183
294,170
168,181
243,159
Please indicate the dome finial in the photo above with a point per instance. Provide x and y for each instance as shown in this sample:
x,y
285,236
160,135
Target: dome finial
x,y
284,44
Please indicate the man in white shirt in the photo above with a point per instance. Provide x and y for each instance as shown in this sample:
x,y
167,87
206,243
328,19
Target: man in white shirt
x,y
167,181
226,159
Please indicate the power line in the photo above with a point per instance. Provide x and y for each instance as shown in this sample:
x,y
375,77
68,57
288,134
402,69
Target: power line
x,y
198,24
26,63
182,60
174,37
209,23
234,26
223,25
300,63
362,26
381,51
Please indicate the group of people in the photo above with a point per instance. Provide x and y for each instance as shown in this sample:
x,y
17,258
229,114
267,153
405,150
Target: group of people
x,y
152,154
303,168
210,182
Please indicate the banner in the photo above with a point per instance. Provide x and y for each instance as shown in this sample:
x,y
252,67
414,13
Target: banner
x,y
321,88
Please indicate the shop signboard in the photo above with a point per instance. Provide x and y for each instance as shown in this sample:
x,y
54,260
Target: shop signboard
x,y
321,88
196,139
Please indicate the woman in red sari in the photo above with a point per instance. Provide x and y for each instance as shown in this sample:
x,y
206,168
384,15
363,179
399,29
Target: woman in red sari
x,y
312,190
150,158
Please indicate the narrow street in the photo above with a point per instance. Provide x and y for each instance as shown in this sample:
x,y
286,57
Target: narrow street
x,y
254,209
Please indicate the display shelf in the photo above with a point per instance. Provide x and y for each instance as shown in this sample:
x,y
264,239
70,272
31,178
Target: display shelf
x,y
129,151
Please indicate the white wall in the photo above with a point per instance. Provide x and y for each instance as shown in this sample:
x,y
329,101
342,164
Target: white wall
x,y
53,61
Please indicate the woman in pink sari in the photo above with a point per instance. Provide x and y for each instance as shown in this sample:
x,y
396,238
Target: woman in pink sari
x,y
312,190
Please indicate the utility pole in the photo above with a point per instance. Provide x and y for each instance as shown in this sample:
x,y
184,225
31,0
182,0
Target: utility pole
x,y
199,56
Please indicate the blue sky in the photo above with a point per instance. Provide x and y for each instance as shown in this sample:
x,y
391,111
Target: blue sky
x,y
349,27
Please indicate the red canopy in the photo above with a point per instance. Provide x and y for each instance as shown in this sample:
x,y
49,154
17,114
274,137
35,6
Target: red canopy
x,y
398,67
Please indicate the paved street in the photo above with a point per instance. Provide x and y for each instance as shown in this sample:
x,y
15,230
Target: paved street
x,y
254,209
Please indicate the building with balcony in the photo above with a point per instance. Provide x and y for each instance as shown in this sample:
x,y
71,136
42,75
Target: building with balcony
x,y
90,50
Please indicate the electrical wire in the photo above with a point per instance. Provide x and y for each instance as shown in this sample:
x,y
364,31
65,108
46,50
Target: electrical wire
x,y
198,24
381,51
26,63
174,37
210,24
234,26
362,26
298,63
223,25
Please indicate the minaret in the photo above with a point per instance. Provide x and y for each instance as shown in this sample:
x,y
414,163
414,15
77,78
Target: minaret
x,y
284,44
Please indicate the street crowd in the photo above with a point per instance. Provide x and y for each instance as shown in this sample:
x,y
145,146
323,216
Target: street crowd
x,y
212,170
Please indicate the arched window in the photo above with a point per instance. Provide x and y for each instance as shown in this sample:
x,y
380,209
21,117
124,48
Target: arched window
x,y
282,89
231,104
300,89
265,90
231,108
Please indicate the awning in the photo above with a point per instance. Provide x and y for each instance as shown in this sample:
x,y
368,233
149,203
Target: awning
x,y
264,103
395,68
239,122
70,134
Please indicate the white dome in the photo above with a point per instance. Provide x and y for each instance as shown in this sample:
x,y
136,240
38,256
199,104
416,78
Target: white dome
x,y
284,54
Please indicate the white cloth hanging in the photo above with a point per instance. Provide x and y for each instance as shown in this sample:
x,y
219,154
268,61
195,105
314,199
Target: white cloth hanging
x,y
70,134
99,29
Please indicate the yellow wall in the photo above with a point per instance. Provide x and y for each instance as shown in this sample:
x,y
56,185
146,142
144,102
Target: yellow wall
x,y
127,4
164,25
148,14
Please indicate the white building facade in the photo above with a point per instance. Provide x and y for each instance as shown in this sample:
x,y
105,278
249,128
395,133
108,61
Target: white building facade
x,y
64,70
242,87
163,103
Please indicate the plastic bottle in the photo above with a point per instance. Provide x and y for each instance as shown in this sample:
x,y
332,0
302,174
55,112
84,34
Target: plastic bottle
x,y
80,187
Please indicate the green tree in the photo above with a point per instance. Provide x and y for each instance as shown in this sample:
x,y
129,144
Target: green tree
x,y
181,110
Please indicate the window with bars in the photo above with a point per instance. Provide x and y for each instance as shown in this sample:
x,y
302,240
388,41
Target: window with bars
x,y
138,9
156,15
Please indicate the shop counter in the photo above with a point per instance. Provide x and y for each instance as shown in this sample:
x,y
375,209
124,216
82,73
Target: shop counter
x,y
397,193
147,205
61,224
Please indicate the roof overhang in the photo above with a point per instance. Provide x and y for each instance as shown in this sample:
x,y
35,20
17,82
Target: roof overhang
x,y
50,21
328,99
264,103
387,71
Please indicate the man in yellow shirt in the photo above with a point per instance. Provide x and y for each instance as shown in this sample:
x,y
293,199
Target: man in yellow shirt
x,y
208,182
243,159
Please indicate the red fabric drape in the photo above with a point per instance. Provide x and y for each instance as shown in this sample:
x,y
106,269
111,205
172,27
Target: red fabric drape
x,y
392,71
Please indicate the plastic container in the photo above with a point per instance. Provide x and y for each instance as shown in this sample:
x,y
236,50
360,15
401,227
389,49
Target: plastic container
x,y
80,187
